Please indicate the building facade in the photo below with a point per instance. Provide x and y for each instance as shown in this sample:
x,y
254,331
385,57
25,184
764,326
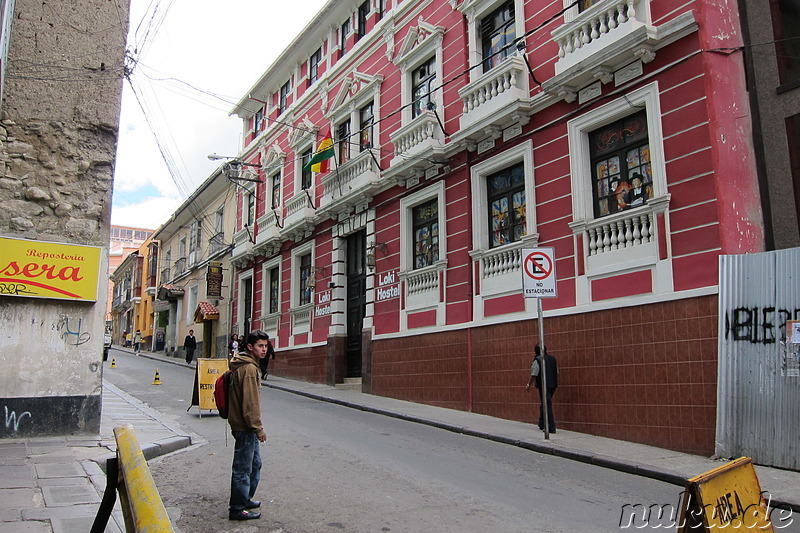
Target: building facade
x,y
194,259
772,60
123,241
61,95
466,132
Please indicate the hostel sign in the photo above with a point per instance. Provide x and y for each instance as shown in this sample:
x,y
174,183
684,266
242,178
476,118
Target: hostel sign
x,y
37,269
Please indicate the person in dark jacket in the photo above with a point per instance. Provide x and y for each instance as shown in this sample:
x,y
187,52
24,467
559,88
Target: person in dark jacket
x,y
244,417
551,377
189,344
264,363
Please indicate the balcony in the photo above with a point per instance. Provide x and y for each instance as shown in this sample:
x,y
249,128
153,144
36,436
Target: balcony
x,y
415,144
243,245
268,238
355,182
497,99
218,243
610,35
165,275
300,217
180,266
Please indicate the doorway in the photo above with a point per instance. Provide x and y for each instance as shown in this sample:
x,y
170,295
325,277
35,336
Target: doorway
x,y
356,300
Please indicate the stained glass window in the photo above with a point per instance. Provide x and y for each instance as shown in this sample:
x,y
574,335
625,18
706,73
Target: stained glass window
x,y
343,141
276,191
498,32
426,233
305,273
507,206
273,290
622,175
305,173
366,119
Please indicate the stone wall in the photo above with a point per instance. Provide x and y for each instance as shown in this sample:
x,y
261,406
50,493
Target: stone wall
x,y
58,133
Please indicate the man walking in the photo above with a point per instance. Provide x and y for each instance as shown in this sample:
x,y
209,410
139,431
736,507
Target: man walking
x,y
551,377
137,341
244,417
189,344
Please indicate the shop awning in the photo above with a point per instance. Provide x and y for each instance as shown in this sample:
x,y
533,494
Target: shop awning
x,y
170,292
206,311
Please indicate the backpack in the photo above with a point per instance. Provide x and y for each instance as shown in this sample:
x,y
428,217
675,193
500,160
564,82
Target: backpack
x,y
221,388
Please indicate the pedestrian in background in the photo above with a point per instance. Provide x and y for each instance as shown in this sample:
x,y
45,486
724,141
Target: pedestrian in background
x,y
189,344
137,341
242,345
128,340
551,377
233,346
264,363
244,417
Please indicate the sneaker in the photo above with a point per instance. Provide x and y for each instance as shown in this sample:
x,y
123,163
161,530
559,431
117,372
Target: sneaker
x,y
243,515
252,504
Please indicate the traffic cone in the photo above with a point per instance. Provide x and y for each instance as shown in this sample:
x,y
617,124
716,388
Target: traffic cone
x,y
156,380
113,363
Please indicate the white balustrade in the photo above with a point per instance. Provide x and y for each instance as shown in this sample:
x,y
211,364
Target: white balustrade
x,y
593,24
501,262
621,233
420,282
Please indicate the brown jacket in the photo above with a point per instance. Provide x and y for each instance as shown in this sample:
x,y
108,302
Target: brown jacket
x,y
244,396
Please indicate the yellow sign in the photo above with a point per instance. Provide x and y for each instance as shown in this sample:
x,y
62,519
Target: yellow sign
x,y
38,269
208,370
727,498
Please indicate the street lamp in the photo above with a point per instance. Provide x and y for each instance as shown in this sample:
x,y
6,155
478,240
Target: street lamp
x,y
233,168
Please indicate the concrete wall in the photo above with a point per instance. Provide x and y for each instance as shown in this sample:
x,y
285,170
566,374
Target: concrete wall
x,y
60,116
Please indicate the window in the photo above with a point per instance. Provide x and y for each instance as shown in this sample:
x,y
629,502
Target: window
x,y
786,28
425,219
423,82
219,219
345,31
313,66
257,121
366,120
250,212
343,141
507,207
381,5
182,248
498,32
273,293
193,236
275,200
284,96
306,176
304,294
621,173
363,10
583,5
191,304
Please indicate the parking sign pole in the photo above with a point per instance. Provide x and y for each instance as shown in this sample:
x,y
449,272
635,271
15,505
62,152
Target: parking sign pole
x,y
542,373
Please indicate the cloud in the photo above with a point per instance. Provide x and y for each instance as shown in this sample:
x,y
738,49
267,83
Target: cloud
x,y
219,50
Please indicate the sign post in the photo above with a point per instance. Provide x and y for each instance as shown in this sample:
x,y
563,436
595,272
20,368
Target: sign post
x,y
206,374
539,281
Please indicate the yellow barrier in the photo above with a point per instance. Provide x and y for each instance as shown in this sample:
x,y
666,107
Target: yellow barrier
x,y
142,507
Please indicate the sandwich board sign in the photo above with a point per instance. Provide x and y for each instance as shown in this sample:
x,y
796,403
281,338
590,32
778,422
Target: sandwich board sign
x,y
539,273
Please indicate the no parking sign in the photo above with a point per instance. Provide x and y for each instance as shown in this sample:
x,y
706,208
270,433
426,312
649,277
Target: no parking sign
x,y
539,273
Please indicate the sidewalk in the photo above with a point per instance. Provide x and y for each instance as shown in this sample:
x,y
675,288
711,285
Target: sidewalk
x,y
56,483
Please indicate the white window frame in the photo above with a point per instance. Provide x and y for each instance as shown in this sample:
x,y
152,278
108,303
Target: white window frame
x,y
193,297
349,108
506,280
428,299
475,11
413,55
301,314
243,277
270,321
631,258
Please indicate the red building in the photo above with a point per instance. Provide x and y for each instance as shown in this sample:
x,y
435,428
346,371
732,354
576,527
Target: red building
x,y
615,131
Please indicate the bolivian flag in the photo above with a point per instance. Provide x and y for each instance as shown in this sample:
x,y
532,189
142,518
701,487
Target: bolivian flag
x,y
320,161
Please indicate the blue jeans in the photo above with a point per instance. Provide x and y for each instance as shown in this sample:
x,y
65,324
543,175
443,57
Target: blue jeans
x,y
246,471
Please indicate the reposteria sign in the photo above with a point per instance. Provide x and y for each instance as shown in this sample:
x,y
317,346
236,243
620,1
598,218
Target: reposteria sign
x,y
36,269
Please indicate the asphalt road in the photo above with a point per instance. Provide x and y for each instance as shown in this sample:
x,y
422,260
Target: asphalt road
x,y
328,468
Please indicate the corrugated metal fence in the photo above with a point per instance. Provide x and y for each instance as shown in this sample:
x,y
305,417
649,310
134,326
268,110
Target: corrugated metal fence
x,y
758,390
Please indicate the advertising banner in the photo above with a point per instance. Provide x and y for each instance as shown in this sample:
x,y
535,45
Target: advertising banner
x,y
37,269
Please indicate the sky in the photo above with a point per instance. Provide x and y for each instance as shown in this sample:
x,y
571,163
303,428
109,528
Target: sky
x,y
193,61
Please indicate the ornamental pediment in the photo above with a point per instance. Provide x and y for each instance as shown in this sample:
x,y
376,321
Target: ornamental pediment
x,y
353,88
420,39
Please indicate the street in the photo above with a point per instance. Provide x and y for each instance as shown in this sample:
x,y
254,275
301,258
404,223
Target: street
x,y
331,468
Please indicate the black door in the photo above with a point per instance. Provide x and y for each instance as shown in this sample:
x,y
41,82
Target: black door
x,y
247,303
356,300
